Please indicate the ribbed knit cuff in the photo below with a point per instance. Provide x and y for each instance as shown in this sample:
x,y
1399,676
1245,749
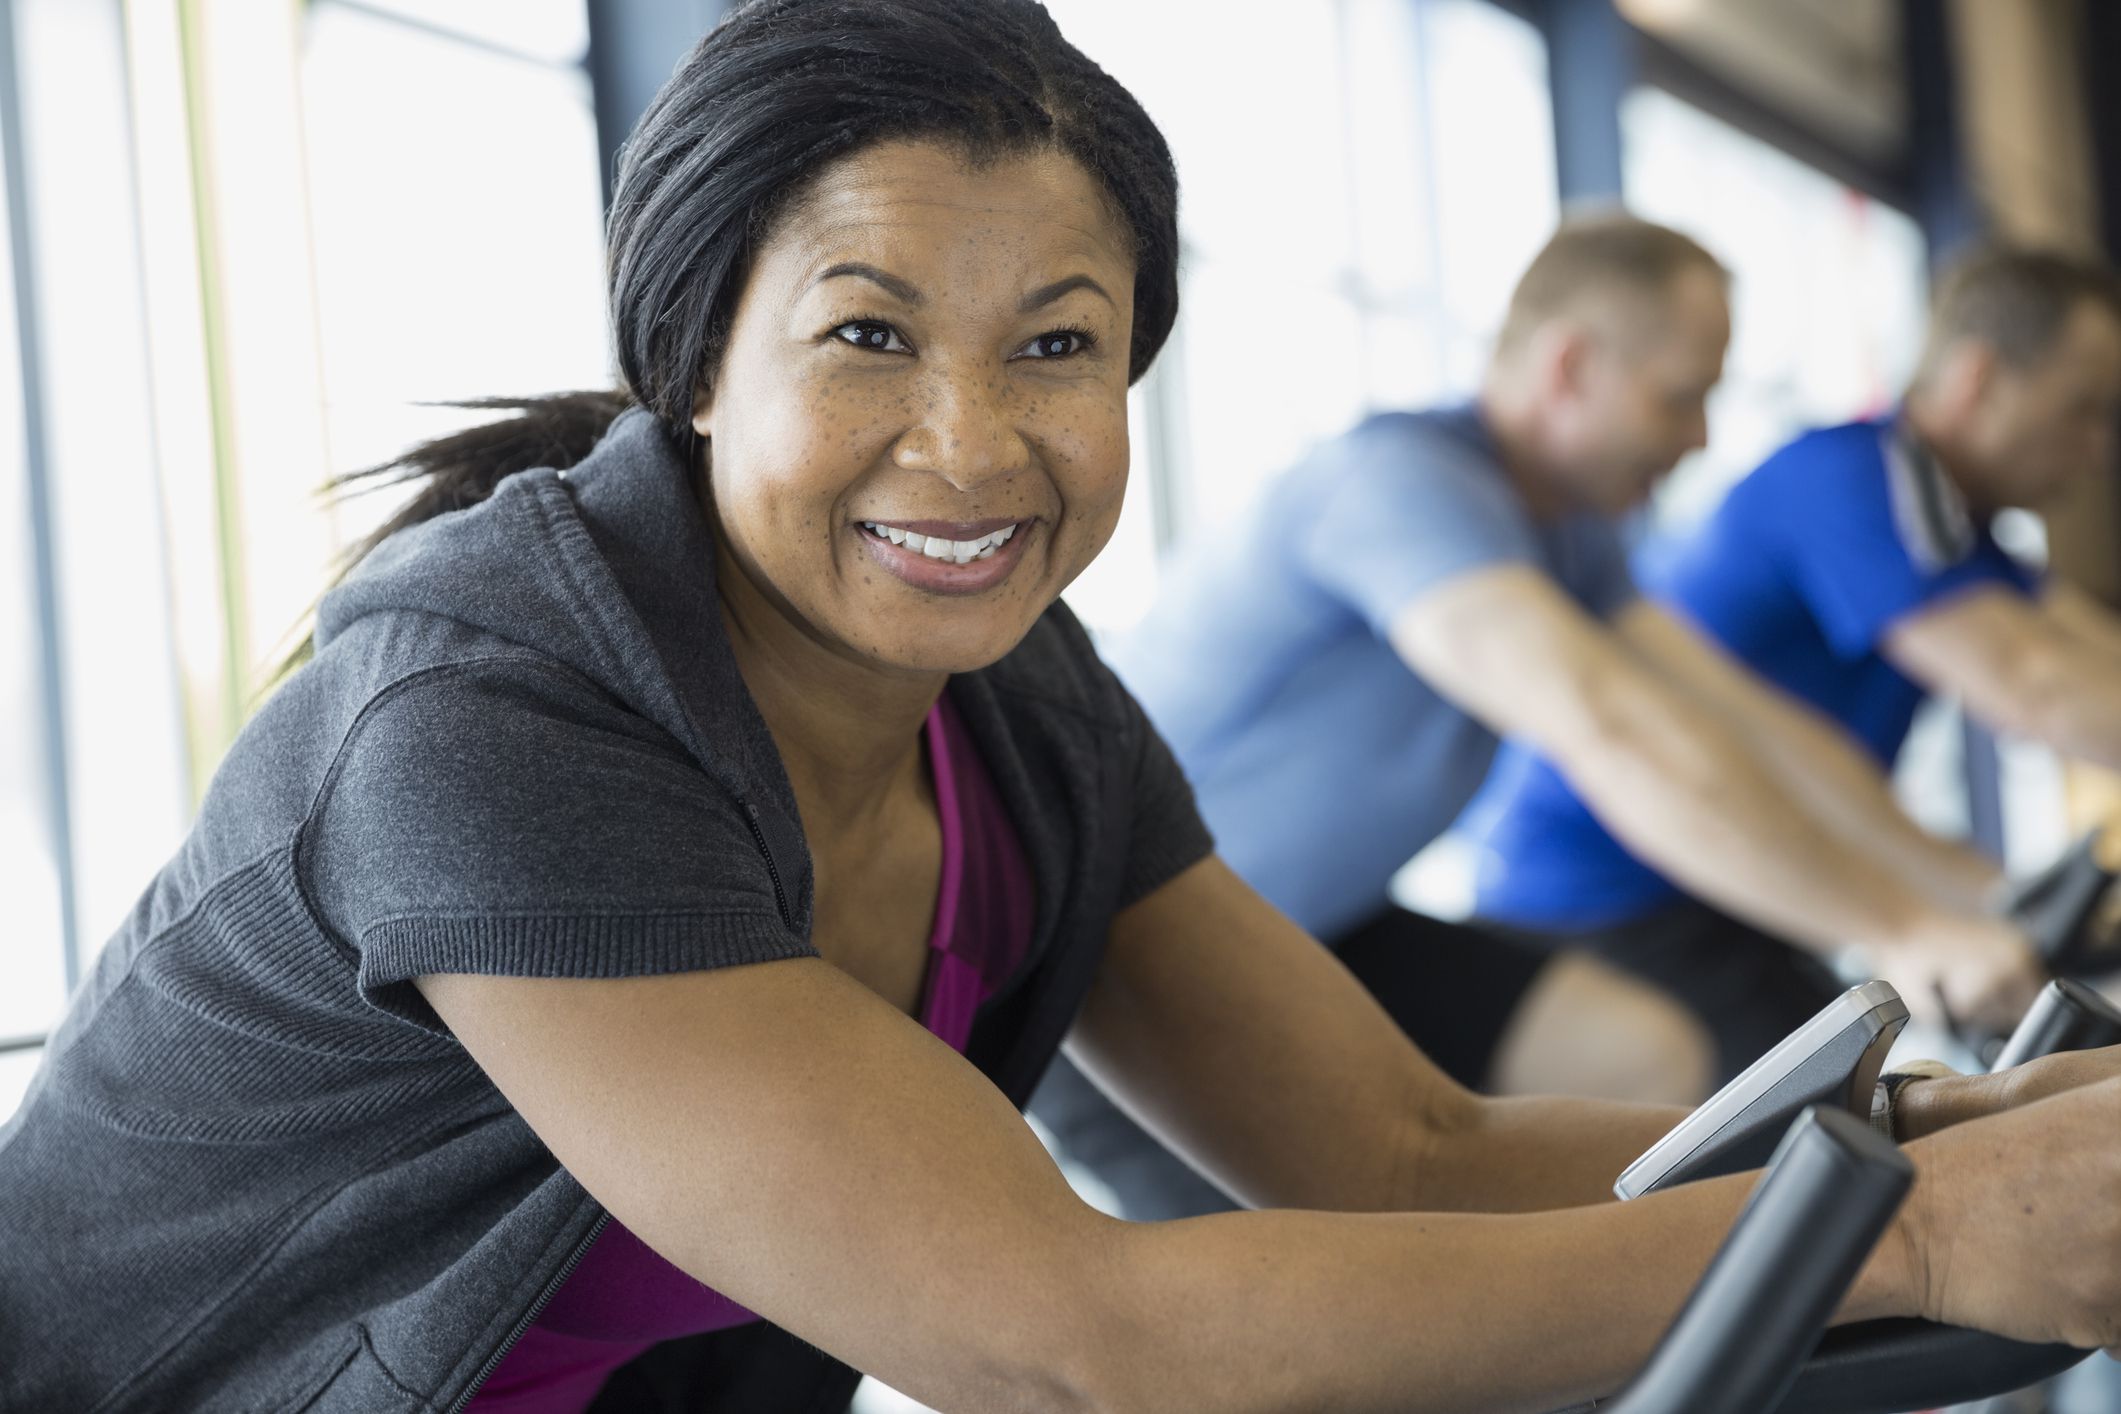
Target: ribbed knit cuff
x,y
1162,854
560,945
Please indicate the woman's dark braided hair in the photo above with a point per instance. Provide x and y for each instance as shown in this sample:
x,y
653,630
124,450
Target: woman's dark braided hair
x,y
765,102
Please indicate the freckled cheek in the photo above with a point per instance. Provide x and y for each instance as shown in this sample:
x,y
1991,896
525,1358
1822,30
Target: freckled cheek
x,y
1090,460
810,461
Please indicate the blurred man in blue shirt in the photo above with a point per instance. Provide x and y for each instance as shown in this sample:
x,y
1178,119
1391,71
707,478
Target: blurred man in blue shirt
x,y
1855,571
1334,672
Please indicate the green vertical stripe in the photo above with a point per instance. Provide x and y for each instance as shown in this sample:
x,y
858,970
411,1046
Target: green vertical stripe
x,y
216,734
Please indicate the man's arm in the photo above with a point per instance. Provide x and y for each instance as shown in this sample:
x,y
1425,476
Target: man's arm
x,y
1675,781
2082,615
1813,757
2018,667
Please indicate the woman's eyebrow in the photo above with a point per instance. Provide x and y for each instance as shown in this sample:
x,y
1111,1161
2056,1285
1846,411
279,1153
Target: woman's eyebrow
x,y
1047,294
891,283
1037,299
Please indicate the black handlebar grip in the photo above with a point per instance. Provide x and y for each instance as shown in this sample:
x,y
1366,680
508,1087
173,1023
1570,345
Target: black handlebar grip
x,y
2067,1016
1828,1194
2057,907
1883,1367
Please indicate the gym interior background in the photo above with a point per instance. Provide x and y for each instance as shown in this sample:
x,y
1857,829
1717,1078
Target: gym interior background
x,y
252,243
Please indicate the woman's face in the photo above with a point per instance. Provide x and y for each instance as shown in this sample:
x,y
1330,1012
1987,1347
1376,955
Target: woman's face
x,y
918,433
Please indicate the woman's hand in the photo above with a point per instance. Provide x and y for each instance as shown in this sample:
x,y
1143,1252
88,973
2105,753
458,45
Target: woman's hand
x,y
2014,1225
1926,1106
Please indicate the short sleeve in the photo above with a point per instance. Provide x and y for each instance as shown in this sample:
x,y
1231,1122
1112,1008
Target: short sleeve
x,y
1168,835
1847,560
508,818
1399,509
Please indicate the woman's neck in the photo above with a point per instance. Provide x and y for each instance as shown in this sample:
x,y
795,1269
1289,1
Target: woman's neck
x,y
848,733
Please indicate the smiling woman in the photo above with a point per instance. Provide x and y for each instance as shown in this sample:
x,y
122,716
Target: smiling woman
x,y
608,972
936,347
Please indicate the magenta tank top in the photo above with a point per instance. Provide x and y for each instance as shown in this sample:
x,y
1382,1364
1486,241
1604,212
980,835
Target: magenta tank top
x,y
623,1298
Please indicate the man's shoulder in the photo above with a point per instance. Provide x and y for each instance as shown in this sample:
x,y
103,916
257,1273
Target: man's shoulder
x,y
1842,452
1826,473
1439,458
1453,433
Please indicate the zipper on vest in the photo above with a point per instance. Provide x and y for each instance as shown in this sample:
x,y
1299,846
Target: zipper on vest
x,y
537,1308
773,872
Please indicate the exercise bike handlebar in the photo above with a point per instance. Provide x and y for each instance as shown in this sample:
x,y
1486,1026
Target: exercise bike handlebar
x,y
2058,909
1740,1340
1875,1367
2067,1016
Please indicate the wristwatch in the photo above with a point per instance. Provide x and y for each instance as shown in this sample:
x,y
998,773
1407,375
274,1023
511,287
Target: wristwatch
x,y
1890,1084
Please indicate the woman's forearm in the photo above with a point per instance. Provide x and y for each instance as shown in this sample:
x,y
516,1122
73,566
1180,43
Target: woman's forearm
x,y
1531,1153
1280,1310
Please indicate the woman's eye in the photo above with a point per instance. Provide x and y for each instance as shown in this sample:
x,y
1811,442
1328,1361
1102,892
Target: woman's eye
x,y
1057,344
871,334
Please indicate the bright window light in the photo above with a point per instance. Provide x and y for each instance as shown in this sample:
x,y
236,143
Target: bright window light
x,y
458,232
128,798
1352,227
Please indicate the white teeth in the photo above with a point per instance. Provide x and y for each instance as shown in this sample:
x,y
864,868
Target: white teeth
x,y
937,548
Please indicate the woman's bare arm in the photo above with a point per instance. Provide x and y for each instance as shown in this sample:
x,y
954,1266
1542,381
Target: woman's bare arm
x,y
1225,1029
788,1138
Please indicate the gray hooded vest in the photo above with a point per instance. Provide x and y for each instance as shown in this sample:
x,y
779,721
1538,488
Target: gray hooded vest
x,y
256,1172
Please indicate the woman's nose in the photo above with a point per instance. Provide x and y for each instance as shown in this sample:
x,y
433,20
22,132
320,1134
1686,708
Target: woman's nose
x,y
967,432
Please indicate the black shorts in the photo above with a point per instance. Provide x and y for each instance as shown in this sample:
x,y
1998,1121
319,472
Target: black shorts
x,y
1749,988
1451,988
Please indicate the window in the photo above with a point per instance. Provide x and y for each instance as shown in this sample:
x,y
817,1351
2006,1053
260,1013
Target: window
x,y
245,271
32,962
1361,181
93,779
458,228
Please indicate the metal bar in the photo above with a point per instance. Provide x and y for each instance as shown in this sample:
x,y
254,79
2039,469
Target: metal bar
x,y
1982,765
36,460
633,47
1948,210
1592,60
10,1044
1944,204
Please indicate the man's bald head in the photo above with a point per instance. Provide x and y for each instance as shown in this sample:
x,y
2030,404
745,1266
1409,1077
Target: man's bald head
x,y
1614,339
1611,271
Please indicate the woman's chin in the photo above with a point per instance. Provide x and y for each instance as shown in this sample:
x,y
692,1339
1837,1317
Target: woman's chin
x,y
957,649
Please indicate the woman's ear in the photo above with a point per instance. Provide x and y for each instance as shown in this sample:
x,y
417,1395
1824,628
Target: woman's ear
x,y
703,411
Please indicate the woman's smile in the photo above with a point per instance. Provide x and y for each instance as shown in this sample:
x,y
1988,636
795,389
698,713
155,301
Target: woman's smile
x,y
947,557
